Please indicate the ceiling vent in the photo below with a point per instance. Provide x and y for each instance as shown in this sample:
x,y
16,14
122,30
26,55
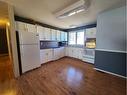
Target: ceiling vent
x,y
77,7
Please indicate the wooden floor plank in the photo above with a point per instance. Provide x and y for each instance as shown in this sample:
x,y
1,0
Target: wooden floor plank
x,y
68,76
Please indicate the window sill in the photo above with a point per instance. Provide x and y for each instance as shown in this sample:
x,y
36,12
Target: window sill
x,y
78,46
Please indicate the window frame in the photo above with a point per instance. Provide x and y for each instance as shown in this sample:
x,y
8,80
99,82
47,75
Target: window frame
x,y
77,45
69,39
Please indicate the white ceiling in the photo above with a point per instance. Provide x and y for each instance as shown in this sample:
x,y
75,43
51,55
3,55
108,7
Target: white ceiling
x,y
42,11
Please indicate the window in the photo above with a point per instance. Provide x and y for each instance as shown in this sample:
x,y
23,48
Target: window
x,y
80,38
72,38
76,38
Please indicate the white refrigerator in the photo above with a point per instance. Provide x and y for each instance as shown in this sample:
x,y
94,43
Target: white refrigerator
x,y
29,51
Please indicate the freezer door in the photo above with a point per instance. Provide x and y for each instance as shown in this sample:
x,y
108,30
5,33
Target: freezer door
x,y
30,57
28,38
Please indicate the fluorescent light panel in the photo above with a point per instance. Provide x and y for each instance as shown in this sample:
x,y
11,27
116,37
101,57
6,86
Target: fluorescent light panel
x,y
73,12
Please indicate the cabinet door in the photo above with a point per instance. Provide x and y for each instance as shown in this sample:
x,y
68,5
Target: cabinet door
x,y
56,54
62,52
62,36
50,55
40,30
53,35
91,33
31,28
75,52
21,26
43,56
58,35
80,54
66,51
47,33
70,51
65,36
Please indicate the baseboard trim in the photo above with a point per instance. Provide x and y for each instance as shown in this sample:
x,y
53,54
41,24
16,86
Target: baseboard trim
x,y
110,73
118,51
4,54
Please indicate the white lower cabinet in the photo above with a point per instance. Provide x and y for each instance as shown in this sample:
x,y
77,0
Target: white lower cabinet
x,y
46,55
89,55
62,52
55,54
74,52
80,53
59,53
66,51
89,59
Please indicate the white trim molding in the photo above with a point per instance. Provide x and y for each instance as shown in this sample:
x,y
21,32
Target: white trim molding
x,y
110,73
119,51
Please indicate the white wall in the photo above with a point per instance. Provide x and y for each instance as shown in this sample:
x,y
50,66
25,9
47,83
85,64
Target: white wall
x,y
13,41
111,30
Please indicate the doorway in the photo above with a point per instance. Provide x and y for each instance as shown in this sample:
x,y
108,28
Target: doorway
x,y
6,67
6,70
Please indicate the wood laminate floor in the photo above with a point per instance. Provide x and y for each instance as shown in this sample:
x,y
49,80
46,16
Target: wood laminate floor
x,y
66,76
6,72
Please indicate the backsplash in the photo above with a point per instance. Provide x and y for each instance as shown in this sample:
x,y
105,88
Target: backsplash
x,y
52,44
48,44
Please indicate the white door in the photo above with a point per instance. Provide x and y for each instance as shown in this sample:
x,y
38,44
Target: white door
x,y
30,57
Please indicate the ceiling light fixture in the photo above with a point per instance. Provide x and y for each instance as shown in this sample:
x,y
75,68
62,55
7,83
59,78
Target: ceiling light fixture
x,y
75,8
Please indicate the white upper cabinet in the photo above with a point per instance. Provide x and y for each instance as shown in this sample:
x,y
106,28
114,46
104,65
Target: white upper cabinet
x,y
91,33
53,35
40,30
58,35
31,28
47,33
44,33
65,36
62,36
21,26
